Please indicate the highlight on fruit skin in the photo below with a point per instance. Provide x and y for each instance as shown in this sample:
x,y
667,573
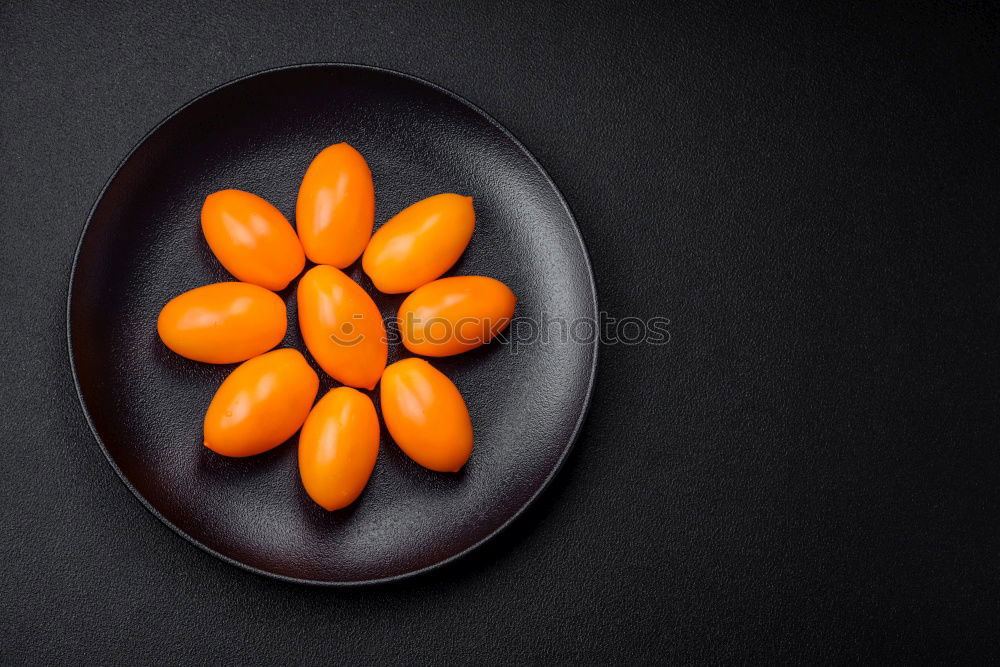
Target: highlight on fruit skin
x,y
223,323
426,415
342,327
419,243
338,447
252,239
335,208
453,315
261,404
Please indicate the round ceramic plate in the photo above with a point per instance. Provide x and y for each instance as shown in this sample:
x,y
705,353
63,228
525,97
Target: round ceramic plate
x,y
143,245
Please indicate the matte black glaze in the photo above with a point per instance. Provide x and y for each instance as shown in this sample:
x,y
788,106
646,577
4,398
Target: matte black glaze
x,y
143,246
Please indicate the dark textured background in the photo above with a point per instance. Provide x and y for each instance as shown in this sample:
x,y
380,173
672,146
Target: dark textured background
x,y
809,470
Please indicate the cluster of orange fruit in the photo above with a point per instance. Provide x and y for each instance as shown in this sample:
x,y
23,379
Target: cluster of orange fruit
x,y
270,395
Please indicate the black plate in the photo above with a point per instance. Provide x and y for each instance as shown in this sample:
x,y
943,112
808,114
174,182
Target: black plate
x,y
143,245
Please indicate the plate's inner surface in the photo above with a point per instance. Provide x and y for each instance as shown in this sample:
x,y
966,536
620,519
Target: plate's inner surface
x,y
143,246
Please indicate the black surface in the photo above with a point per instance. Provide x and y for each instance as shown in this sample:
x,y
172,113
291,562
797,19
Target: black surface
x,y
808,471
143,246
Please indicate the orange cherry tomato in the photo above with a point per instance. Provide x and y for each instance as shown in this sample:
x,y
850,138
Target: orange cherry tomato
x,y
420,243
342,327
338,447
261,404
335,210
426,415
223,323
252,239
452,315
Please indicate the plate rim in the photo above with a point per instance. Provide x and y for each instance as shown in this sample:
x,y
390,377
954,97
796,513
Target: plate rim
x,y
574,436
